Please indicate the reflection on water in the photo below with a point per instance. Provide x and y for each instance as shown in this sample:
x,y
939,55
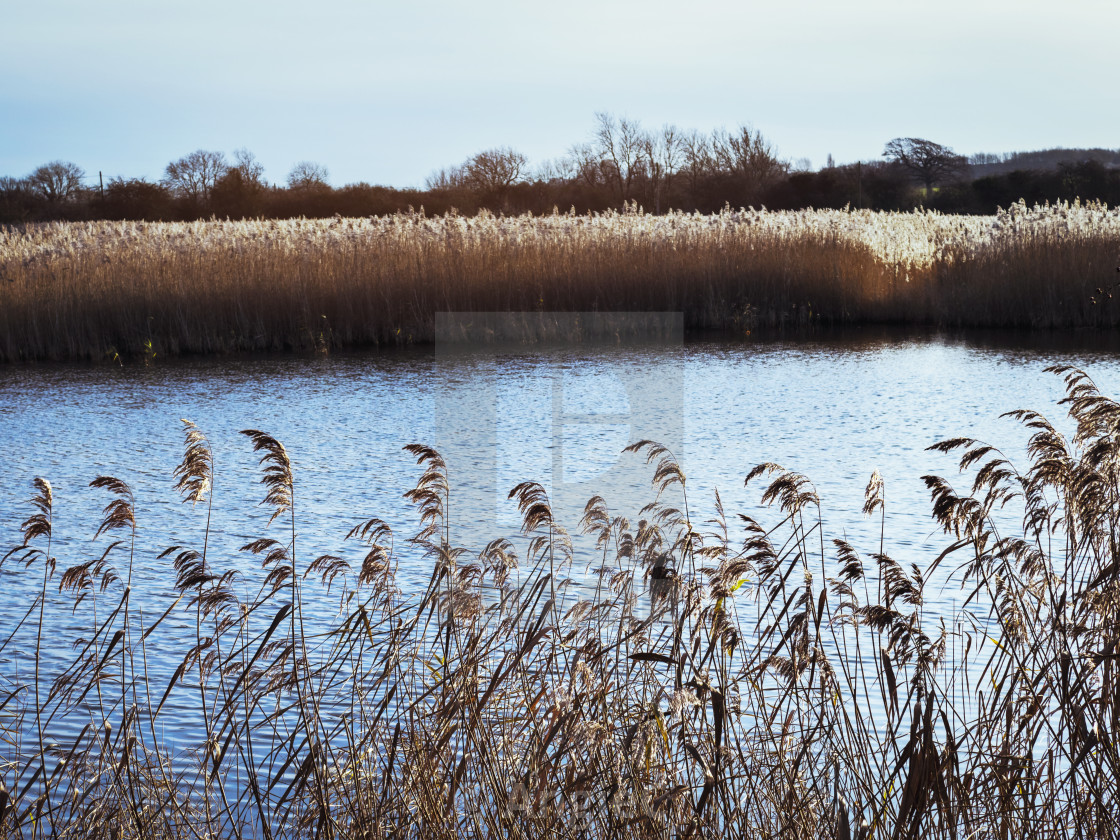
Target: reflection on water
x,y
834,407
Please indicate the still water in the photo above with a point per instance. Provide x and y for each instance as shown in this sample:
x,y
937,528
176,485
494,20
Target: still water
x,y
834,407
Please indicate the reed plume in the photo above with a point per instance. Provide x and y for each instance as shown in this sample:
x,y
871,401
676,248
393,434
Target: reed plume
x,y
115,290
708,677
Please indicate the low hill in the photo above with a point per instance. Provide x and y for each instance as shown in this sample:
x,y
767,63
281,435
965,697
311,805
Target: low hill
x,y
984,164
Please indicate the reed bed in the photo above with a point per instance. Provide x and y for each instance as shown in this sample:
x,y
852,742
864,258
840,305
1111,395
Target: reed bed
x,y
712,680
110,290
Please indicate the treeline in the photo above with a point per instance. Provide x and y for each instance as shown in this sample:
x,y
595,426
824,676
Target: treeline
x,y
622,163
1046,159
203,186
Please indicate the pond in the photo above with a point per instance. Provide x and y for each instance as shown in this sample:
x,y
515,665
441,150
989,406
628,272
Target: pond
x,y
833,406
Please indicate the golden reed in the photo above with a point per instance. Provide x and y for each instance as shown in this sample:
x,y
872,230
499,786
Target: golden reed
x,y
709,678
107,289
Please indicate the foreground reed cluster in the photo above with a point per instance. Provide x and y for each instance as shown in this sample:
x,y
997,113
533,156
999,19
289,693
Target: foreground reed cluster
x,y
107,290
694,684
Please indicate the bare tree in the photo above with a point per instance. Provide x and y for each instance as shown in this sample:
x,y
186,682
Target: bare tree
x,y
195,175
14,193
450,178
619,144
584,163
13,187
308,175
56,181
495,170
251,169
556,169
492,172
927,162
985,159
699,162
239,192
748,158
663,153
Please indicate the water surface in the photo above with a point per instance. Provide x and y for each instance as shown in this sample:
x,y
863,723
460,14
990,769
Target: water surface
x,y
834,407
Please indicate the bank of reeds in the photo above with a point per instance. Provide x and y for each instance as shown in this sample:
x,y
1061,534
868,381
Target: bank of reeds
x,y
713,680
111,290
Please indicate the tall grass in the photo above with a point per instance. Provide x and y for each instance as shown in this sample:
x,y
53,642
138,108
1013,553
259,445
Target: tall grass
x,y
747,681
105,289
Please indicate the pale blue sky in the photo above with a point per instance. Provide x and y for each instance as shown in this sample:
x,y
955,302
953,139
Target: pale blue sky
x,y
386,92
